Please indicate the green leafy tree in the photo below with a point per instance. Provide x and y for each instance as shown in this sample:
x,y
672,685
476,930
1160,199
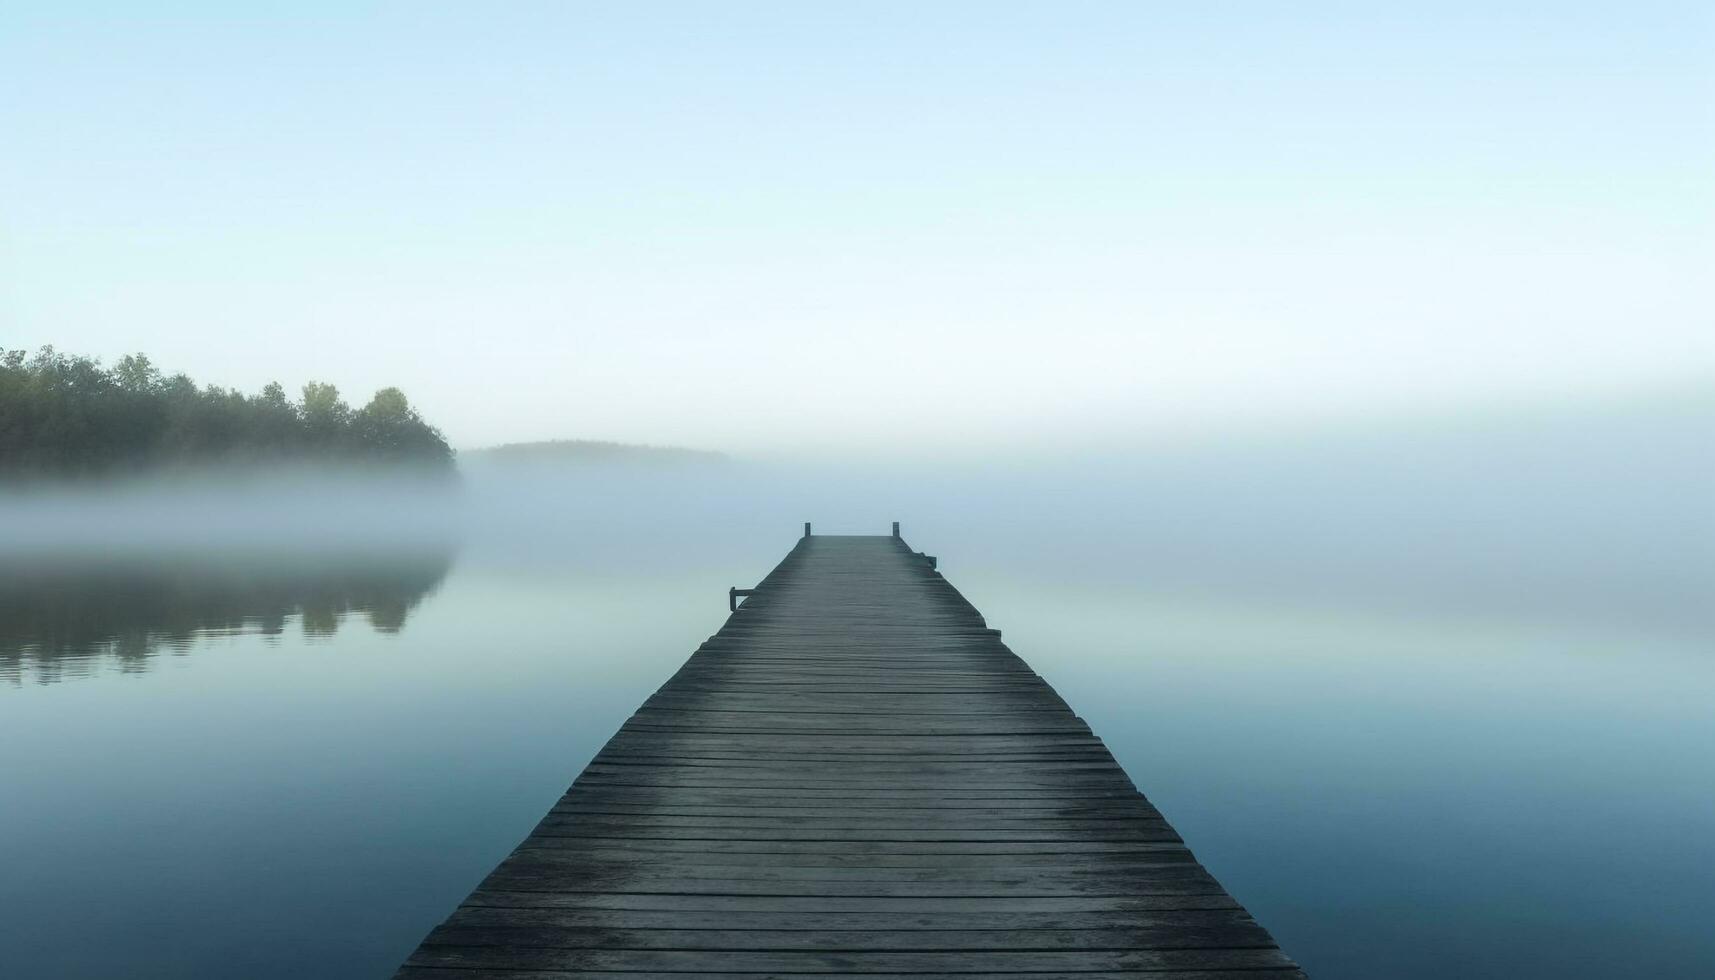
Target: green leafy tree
x,y
65,415
134,372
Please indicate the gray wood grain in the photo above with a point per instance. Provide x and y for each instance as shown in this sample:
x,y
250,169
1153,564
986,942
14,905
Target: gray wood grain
x,y
853,776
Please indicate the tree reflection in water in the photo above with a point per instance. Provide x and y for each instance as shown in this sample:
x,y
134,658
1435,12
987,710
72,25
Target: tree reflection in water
x,y
71,619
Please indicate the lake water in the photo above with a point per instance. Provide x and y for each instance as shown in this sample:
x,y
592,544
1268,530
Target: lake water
x,y
1411,751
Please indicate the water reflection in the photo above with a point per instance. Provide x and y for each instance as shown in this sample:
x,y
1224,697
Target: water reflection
x,y
75,618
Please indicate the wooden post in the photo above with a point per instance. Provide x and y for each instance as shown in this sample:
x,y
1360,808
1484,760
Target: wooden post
x,y
806,529
896,529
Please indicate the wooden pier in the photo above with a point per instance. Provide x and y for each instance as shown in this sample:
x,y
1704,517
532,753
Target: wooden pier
x,y
854,776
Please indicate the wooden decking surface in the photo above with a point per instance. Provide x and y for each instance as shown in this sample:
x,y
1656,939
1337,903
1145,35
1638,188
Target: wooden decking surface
x,y
854,776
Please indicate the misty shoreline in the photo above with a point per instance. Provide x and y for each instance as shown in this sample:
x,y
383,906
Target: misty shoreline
x,y
1579,514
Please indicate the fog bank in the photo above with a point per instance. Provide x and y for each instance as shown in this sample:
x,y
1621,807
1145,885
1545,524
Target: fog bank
x,y
1596,516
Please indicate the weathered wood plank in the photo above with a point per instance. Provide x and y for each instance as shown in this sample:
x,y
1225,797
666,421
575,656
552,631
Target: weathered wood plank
x,y
1176,936
909,903
464,973
978,816
854,776
855,847
1142,854
482,915
845,961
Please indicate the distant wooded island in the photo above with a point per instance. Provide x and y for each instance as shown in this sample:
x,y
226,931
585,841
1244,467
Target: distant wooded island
x,y
64,415
589,451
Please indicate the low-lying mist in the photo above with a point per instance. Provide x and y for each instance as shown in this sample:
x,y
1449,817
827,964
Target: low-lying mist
x,y
315,510
1596,515
1591,515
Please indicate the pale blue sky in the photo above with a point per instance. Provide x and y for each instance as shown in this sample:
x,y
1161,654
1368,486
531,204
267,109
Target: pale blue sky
x,y
782,225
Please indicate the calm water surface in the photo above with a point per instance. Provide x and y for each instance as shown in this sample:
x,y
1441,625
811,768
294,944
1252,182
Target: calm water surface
x,y
256,766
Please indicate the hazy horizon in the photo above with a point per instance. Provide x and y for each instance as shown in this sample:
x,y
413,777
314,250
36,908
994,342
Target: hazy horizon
x,y
775,229
1689,395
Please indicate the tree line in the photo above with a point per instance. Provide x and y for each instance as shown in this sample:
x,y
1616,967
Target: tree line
x,y
64,415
